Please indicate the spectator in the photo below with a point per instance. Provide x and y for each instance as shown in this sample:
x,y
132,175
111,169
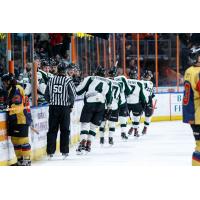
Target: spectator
x,y
56,41
133,65
66,58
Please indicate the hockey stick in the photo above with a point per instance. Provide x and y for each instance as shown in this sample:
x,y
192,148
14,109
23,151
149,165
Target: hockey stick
x,y
34,130
154,105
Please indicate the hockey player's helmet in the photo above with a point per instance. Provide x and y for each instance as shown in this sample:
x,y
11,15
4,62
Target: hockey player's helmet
x,y
77,68
147,74
133,74
194,54
44,63
62,68
53,62
7,77
71,66
100,71
112,71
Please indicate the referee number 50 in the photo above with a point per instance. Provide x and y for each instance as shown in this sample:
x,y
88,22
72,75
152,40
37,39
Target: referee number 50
x,y
57,89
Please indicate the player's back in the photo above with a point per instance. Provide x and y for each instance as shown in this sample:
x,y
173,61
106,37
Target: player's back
x,y
136,86
98,89
148,89
116,89
125,88
148,86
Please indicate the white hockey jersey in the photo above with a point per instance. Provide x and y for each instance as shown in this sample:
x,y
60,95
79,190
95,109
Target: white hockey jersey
x,y
41,88
96,89
137,94
148,90
115,94
125,88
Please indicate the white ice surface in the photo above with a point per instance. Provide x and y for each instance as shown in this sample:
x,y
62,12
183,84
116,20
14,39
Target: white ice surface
x,y
165,144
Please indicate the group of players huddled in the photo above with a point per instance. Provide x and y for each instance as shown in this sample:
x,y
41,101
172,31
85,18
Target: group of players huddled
x,y
113,99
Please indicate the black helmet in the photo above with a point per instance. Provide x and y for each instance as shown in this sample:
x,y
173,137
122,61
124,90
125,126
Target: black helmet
x,y
62,67
194,54
53,62
8,77
71,66
112,71
44,62
133,74
100,71
77,68
146,74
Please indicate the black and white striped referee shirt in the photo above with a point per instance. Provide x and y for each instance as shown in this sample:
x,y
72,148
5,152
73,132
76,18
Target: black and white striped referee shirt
x,y
60,91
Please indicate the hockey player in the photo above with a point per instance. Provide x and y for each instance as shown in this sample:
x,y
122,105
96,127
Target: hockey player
x,y
19,120
70,69
149,93
123,110
97,93
54,66
74,72
191,105
136,101
111,115
45,68
41,87
77,76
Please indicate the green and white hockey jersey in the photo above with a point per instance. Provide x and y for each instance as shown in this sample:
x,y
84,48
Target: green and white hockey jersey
x,y
46,76
148,90
125,88
137,95
115,94
96,89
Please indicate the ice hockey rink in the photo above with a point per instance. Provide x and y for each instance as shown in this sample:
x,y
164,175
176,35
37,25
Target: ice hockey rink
x,y
165,144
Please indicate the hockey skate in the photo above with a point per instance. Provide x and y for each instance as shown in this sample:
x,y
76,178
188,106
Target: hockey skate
x,y
130,131
64,156
136,134
110,140
24,162
81,147
144,131
18,163
88,146
123,136
102,141
50,156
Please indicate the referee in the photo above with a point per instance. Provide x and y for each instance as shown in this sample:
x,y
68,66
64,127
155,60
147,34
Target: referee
x,y
60,94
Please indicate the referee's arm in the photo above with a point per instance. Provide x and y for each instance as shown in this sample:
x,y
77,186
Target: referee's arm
x,y
46,94
72,93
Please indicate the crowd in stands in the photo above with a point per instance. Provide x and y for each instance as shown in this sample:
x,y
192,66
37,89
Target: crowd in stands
x,y
52,48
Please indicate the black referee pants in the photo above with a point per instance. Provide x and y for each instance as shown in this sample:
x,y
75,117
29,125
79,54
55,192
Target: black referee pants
x,y
59,116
